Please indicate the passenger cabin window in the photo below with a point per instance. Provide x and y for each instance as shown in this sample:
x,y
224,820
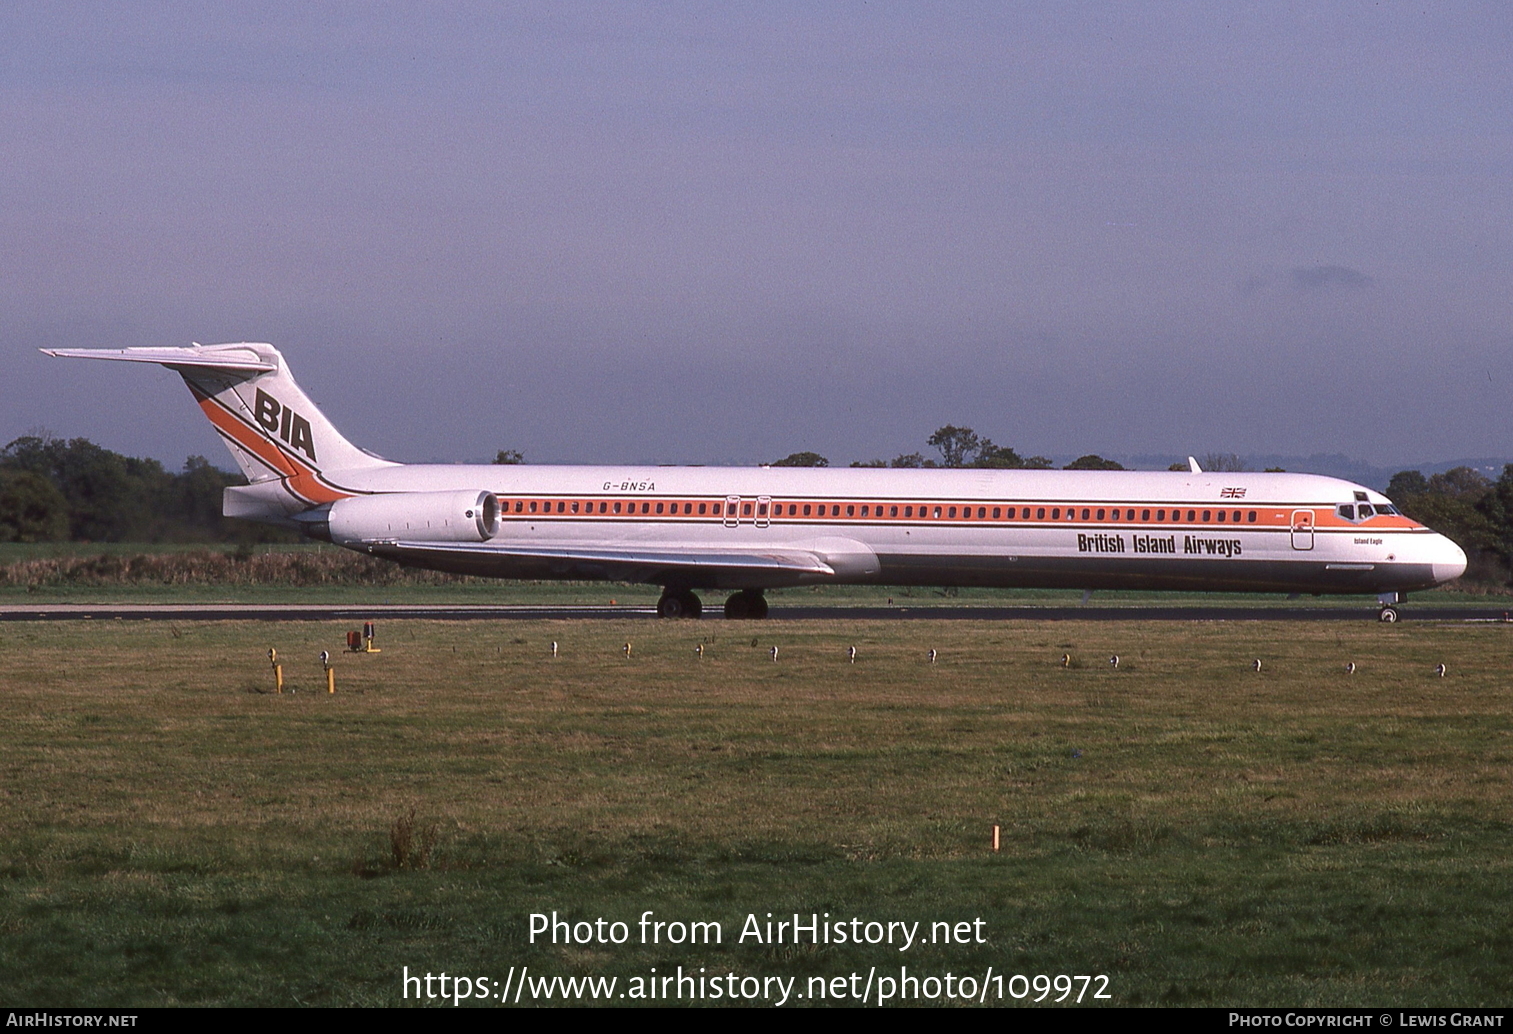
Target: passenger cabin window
x,y
746,509
1145,515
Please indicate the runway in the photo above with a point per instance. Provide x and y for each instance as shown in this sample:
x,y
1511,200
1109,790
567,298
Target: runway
x,y
515,612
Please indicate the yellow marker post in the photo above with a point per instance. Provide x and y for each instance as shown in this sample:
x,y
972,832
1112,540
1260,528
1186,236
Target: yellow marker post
x,y
325,662
278,670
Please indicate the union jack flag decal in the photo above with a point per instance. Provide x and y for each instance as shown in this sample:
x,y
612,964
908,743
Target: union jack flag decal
x,y
1232,493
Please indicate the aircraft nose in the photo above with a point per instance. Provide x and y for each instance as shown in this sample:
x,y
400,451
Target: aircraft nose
x,y
1449,560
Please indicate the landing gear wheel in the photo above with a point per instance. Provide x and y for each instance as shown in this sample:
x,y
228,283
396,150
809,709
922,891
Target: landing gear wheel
x,y
748,604
679,604
1387,615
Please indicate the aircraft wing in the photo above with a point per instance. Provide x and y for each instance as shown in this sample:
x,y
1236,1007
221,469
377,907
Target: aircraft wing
x,y
758,566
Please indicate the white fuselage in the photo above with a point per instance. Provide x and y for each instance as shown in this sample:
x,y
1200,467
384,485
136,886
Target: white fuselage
x,y
1081,529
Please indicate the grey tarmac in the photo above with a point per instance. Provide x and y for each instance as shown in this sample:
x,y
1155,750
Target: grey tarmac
x,y
779,612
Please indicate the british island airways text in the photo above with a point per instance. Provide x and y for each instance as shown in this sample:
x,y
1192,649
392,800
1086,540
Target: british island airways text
x,y
1191,544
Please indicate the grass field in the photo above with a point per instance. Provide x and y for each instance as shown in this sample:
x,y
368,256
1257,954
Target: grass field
x,y
1201,833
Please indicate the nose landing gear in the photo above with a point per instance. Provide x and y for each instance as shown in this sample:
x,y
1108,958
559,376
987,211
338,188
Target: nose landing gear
x,y
1388,613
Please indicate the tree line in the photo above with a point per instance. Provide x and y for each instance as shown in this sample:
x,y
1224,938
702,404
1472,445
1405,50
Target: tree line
x,y
958,447
1468,507
52,490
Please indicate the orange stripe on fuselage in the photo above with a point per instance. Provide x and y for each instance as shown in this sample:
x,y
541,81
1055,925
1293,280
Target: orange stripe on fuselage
x,y
301,479
938,513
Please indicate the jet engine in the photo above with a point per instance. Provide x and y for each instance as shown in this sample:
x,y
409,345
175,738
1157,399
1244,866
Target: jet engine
x,y
408,517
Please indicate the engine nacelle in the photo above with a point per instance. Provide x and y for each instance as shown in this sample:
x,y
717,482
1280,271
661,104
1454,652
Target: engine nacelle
x,y
412,517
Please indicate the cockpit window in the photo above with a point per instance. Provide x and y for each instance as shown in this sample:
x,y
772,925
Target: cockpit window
x,y
1363,511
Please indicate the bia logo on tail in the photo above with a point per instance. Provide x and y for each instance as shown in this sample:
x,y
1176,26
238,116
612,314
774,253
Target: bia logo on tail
x,y
284,422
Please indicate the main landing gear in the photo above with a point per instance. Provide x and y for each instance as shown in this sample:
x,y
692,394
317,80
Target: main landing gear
x,y
679,603
746,604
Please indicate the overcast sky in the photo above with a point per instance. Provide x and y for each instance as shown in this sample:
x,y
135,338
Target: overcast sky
x,y
726,232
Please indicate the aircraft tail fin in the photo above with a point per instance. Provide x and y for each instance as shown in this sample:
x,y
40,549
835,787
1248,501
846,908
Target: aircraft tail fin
x,y
272,429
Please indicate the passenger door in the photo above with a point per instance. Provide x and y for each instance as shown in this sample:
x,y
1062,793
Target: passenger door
x,y
1302,529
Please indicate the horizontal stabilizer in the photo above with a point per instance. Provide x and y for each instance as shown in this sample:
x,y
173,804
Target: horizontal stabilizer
x,y
218,357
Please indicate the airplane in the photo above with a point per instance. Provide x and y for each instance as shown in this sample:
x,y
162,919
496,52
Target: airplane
x,y
752,529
